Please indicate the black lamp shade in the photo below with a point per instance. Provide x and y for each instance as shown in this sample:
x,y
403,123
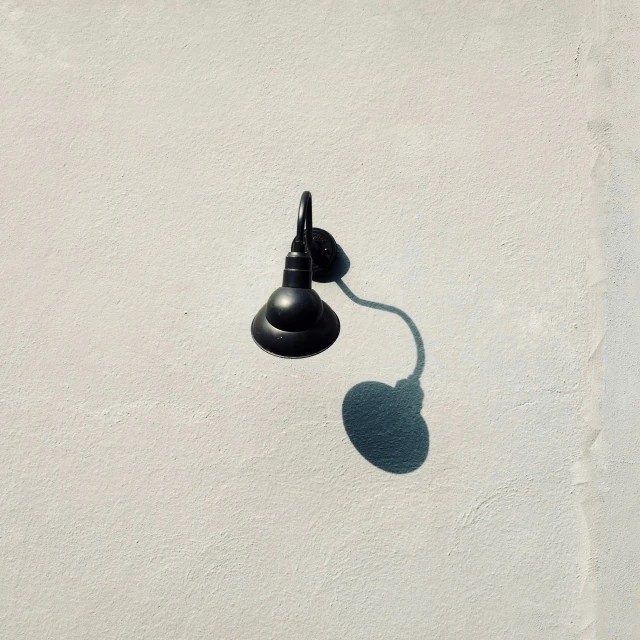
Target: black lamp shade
x,y
295,323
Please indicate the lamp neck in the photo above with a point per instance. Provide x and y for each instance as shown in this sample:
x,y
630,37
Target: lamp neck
x,y
297,270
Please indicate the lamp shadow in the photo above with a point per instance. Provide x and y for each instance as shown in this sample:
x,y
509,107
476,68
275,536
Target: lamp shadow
x,y
384,423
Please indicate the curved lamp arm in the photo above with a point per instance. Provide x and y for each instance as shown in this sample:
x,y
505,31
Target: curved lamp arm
x,y
318,244
304,220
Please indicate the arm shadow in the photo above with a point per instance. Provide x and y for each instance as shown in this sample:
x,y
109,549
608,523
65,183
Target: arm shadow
x,y
384,423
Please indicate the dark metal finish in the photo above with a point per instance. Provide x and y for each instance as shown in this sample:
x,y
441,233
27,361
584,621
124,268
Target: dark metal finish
x,y
324,252
305,219
318,243
296,344
295,323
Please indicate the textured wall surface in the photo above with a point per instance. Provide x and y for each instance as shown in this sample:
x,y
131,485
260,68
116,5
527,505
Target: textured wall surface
x,y
612,503
162,477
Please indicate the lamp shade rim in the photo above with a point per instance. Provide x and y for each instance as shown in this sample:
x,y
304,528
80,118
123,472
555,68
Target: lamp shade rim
x,y
296,344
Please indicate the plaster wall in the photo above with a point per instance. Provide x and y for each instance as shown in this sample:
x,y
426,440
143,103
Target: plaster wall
x,y
164,478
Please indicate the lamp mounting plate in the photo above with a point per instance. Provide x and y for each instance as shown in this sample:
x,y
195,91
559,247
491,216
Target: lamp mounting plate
x,y
324,251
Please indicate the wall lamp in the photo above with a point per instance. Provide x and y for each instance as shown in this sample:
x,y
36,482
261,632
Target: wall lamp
x,y
295,322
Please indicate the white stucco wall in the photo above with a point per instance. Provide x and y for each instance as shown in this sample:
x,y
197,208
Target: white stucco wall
x,y
164,478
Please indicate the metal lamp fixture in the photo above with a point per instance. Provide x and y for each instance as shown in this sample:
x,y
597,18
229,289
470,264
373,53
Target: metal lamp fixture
x,y
295,322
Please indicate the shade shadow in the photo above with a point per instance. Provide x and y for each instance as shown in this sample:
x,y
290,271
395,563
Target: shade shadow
x,y
384,423
385,426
